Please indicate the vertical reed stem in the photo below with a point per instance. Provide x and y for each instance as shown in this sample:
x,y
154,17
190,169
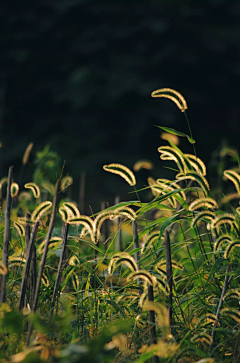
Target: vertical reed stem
x,y
151,317
6,235
169,271
31,279
135,240
119,235
224,289
44,255
136,254
27,266
60,267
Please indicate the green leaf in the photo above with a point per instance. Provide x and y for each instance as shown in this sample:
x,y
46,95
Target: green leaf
x,y
177,133
144,357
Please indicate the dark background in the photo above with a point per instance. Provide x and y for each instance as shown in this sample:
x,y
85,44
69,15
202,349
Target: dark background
x,y
78,75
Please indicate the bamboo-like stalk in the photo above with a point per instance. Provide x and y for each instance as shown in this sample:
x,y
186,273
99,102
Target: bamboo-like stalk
x,y
119,220
27,231
27,265
31,278
33,275
224,289
135,240
44,255
6,235
60,267
136,245
151,317
169,271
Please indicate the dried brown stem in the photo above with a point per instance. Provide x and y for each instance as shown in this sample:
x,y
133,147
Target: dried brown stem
x,y
169,271
60,268
27,265
151,317
44,255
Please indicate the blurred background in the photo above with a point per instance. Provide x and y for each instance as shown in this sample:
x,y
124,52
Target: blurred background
x,y
77,75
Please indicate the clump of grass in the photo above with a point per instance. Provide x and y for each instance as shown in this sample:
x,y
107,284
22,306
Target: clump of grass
x,y
169,293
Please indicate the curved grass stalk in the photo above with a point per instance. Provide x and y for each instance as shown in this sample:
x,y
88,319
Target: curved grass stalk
x,y
172,95
234,177
41,210
122,258
171,184
66,182
142,164
197,164
14,189
20,228
225,218
123,171
230,247
220,241
205,214
169,153
144,275
27,153
72,210
150,239
209,203
193,175
34,188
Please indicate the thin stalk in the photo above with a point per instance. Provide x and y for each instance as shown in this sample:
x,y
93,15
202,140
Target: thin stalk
x,y
190,131
27,265
119,235
224,289
201,244
135,240
169,271
6,239
60,267
44,255
31,279
27,231
33,275
151,317
189,254
136,245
